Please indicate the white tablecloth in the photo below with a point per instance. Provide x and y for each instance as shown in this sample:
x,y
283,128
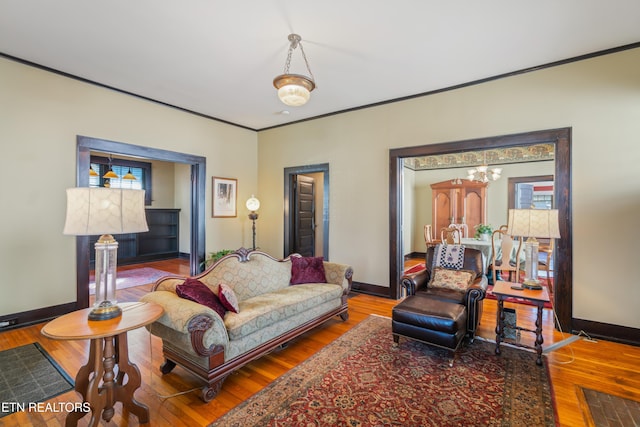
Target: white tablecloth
x,y
483,246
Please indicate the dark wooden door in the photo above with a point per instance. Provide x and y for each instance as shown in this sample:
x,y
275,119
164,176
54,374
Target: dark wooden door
x,y
304,241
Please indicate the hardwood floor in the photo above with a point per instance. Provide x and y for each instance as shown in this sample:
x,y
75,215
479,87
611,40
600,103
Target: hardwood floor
x,y
604,366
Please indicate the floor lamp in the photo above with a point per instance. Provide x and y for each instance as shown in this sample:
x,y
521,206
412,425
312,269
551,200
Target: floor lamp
x,y
105,211
532,223
253,205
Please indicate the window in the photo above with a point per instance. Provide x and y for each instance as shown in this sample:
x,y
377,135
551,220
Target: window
x,y
543,201
141,170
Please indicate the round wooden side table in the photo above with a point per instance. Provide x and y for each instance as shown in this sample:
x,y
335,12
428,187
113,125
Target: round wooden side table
x,y
96,380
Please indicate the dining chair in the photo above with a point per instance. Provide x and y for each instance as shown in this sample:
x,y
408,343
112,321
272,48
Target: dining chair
x,y
451,235
428,236
545,259
464,229
502,247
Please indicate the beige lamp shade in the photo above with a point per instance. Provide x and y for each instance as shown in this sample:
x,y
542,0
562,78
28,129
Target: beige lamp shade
x,y
534,223
93,211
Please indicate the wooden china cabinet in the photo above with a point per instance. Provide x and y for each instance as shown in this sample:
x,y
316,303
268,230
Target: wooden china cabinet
x,y
463,203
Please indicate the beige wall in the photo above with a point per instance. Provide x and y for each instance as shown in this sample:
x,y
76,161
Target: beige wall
x,y
40,116
599,98
163,185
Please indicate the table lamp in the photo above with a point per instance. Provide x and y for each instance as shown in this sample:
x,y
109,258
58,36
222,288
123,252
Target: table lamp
x,y
105,211
253,205
532,223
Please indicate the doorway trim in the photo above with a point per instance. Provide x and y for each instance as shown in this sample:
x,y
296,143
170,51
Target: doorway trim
x,y
514,180
84,147
561,138
289,173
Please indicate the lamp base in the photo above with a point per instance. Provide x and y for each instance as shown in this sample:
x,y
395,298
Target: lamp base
x,y
532,284
105,311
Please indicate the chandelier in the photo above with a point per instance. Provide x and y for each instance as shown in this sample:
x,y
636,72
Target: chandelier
x,y
294,89
482,173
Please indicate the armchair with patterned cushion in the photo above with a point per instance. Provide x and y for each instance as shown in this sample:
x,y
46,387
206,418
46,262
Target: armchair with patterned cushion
x,y
443,304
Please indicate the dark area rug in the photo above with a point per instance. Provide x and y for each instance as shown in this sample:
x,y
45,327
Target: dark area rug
x,y
363,379
28,374
134,277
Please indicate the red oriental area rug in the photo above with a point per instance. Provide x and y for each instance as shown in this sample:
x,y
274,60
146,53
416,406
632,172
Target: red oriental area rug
x,y
363,379
133,277
415,269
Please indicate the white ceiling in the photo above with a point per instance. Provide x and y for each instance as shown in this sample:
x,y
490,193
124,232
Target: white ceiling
x,y
218,58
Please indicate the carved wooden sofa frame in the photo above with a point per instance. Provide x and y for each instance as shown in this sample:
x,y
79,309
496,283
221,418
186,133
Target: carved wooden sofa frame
x,y
217,369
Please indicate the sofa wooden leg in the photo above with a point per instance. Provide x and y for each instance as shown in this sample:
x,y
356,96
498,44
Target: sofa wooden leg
x,y
282,346
167,366
344,316
211,390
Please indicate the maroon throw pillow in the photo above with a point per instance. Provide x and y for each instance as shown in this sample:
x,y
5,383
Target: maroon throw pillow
x,y
196,291
307,270
228,298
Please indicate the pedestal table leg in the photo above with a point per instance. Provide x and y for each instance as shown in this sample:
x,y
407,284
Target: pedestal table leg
x,y
124,392
88,385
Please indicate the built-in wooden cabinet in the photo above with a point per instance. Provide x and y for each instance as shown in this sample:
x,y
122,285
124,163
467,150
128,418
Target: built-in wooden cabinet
x,y
160,242
463,203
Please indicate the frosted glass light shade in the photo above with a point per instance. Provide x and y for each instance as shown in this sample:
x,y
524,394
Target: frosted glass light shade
x,y
293,89
253,204
293,95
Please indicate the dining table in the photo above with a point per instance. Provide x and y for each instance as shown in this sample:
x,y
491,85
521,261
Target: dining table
x,y
483,246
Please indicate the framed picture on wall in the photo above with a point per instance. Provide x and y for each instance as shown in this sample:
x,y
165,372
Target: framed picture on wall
x,y
225,192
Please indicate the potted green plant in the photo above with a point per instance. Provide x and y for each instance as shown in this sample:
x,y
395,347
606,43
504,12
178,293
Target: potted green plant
x,y
483,231
215,256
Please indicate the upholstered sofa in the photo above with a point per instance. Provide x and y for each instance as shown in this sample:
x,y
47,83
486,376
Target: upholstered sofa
x,y
270,312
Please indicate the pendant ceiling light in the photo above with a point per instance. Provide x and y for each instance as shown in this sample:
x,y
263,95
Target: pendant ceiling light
x,y
483,174
110,173
294,89
129,176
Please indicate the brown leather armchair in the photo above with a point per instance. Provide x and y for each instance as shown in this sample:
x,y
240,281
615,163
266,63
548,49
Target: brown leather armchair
x,y
416,284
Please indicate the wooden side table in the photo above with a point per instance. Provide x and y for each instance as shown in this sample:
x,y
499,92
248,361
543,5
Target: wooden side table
x,y
503,290
96,381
